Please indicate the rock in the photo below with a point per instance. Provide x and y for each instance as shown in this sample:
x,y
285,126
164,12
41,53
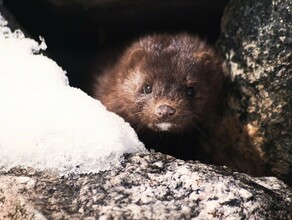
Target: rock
x,y
13,205
256,41
148,186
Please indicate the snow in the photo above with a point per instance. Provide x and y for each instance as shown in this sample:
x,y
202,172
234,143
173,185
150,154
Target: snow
x,y
45,123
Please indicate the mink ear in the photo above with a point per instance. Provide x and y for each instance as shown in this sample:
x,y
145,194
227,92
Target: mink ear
x,y
204,58
135,56
208,60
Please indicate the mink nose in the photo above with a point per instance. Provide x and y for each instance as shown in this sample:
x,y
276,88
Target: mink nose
x,y
164,111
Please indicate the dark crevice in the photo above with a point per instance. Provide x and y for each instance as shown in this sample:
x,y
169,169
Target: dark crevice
x,y
75,34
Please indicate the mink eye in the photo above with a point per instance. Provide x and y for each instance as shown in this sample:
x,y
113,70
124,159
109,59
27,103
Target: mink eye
x,y
147,89
190,91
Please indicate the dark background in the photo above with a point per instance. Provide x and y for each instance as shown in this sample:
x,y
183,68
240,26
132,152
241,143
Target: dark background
x,y
77,33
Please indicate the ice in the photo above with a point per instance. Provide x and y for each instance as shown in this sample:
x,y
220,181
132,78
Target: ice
x,y
45,123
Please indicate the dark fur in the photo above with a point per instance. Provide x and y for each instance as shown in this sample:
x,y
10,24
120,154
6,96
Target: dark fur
x,y
171,64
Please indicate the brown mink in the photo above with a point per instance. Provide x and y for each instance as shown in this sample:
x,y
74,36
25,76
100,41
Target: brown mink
x,y
168,87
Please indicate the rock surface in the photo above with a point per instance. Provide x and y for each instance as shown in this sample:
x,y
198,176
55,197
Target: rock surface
x,y
256,41
151,186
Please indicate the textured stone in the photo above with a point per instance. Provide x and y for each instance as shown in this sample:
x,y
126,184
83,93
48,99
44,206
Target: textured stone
x,y
13,205
151,186
256,41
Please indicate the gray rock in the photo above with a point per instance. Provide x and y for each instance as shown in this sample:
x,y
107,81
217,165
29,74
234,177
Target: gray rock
x,y
151,186
256,41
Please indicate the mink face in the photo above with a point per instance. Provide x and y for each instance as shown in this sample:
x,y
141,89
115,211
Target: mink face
x,y
172,90
165,83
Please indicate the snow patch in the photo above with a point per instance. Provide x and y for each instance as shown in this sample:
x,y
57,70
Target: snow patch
x,y
45,123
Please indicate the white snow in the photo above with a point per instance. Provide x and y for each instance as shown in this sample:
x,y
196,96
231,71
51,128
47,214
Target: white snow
x,y
45,123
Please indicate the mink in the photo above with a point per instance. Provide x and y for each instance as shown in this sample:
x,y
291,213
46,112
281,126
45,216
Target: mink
x,y
173,91
168,87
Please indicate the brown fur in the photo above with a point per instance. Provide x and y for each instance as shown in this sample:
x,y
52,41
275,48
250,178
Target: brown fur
x,y
171,68
171,64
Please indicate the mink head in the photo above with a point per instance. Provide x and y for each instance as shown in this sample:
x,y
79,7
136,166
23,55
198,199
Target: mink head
x,y
168,83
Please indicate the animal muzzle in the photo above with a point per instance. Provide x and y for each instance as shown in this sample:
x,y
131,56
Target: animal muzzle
x,y
164,112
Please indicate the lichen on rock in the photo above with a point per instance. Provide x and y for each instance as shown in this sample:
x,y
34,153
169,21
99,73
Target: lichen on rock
x,y
256,42
150,186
